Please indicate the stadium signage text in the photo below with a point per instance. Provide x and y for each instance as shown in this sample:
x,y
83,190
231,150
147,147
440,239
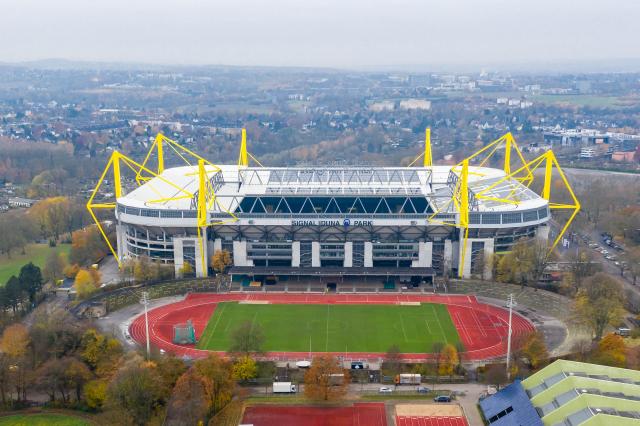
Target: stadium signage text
x,y
332,222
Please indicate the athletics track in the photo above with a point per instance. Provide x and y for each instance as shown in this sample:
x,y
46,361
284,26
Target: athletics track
x,y
481,327
359,414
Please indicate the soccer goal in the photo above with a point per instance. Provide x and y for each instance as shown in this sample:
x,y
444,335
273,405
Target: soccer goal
x,y
184,334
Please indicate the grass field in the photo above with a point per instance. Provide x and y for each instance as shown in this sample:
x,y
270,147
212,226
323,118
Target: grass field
x,y
334,328
36,253
42,420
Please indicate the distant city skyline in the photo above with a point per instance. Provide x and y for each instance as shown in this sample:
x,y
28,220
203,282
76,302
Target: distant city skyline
x,y
357,34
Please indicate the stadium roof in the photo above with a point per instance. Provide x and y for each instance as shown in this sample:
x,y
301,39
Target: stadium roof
x,y
234,183
571,393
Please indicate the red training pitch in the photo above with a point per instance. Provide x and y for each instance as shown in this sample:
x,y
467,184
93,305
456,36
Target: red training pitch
x,y
360,414
481,327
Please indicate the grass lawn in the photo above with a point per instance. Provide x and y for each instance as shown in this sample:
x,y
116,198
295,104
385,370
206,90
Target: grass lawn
x,y
334,328
42,420
36,253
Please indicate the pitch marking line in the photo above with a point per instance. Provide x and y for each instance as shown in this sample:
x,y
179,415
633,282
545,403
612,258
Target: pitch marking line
x,y
477,321
428,328
215,325
326,345
403,330
444,337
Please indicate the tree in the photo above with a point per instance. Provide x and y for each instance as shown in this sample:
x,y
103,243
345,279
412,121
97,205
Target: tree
x,y
632,257
323,380
186,270
525,263
100,352
54,266
611,351
391,363
496,374
535,349
221,260
95,393
87,282
14,293
244,368
15,340
247,338
217,377
188,403
31,280
137,390
599,304
448,360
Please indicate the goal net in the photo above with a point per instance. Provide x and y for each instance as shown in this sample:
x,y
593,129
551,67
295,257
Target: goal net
x,y
184,334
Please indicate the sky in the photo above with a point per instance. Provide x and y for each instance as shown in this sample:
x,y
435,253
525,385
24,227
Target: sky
x,y
348,34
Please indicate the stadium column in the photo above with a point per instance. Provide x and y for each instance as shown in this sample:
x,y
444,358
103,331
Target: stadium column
x,y
295,254
348,254
315,254
425,254
121,239
240,254
202,258
488,245
542,232
368,254
448,256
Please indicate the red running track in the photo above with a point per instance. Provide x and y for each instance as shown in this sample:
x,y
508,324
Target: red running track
x,y
360,414
430,421
482,328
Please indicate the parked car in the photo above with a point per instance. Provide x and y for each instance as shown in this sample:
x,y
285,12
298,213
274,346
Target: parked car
x,y
385,389
442,398
423,389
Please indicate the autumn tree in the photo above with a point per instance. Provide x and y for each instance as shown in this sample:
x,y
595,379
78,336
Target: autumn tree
x,y
221,260
87,282
137,390
534,349
217,376
599,304
54,266
611,351
391,362
100,352
496,374
87,246
322,382
244,368
632,259
448,360
189,402
247,338
14,343
525,263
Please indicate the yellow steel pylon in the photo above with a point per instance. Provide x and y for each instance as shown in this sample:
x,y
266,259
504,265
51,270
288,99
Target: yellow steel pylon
x,y
245,155
427,157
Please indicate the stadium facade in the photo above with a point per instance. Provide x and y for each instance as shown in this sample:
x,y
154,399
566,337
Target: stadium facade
x,y
411,222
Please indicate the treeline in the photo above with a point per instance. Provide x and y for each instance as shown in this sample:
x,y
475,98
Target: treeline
x,y
48,219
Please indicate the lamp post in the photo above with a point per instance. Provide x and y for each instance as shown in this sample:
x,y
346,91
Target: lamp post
x,y
510,304
145,301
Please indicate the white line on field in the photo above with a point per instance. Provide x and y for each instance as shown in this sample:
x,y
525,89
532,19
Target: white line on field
x,y
224,305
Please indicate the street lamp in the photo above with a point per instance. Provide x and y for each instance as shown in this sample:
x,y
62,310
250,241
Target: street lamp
x,y
510,304
145,301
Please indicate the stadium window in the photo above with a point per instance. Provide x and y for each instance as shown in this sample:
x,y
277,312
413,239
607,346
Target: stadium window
x,y
542,213
491,218
511,217
530,216
171,213
150,213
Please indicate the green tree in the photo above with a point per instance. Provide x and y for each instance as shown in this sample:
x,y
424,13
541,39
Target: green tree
x,y
31,280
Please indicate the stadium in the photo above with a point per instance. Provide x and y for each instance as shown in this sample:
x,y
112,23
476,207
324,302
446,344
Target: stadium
x,y
400,223
321,230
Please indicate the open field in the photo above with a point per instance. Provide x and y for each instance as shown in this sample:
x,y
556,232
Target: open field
x,y
36,253
42,420
334,328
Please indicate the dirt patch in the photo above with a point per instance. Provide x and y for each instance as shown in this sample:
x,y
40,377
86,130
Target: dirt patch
x,y
429,410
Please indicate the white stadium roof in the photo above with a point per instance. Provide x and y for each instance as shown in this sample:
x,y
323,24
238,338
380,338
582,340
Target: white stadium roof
x,y
166,191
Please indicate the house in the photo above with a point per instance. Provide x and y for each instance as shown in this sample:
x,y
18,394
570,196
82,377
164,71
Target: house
x,y
21,202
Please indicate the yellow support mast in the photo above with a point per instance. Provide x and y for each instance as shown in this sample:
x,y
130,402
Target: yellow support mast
x,y
464,212
202,212
427,159
243,158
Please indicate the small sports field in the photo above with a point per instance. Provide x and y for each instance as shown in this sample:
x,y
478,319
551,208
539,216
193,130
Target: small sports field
x,y
334,328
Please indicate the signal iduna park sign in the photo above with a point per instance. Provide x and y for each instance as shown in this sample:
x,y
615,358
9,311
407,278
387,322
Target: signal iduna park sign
x,y
331,222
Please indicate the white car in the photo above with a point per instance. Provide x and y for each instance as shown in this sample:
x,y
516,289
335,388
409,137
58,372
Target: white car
x,y
385,390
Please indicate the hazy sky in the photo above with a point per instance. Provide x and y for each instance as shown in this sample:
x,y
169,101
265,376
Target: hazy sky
x,y
333,33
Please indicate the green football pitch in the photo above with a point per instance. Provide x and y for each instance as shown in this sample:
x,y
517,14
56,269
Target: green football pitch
x,y
334,328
